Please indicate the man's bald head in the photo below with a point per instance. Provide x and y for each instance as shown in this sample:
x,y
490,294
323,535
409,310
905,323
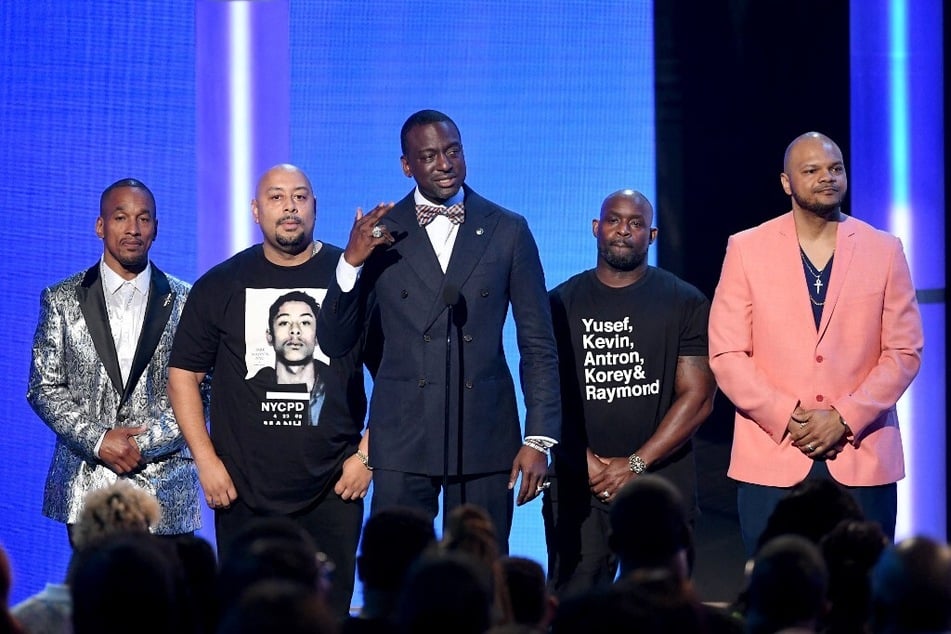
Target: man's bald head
x,y
807,138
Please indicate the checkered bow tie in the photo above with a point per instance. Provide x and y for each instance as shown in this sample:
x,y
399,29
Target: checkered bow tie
x,y
425,213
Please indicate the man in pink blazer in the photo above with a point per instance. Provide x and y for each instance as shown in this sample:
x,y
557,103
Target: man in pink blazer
x,y
814,335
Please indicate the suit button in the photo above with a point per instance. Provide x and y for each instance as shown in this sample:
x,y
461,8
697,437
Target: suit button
x,y
467,338
427,338
819,359
484,292
468,384
404,293
421,383
122,417
819,398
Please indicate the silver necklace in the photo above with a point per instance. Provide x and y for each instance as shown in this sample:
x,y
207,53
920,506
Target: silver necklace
x,y
817,283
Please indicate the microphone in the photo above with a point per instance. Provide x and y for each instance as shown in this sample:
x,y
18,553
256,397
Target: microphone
x,y
450,295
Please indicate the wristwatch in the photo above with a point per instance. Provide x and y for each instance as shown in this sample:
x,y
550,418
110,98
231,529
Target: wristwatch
x,y
637,464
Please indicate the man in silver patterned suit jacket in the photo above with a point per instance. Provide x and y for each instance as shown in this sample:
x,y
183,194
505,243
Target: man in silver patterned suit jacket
x,y
99,371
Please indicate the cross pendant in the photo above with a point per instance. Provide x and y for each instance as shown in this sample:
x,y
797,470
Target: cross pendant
x,y
818,285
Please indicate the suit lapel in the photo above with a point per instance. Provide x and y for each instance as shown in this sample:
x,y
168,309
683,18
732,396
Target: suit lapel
x,y
92,303
414,246
793,279
472,239
844,252
158,310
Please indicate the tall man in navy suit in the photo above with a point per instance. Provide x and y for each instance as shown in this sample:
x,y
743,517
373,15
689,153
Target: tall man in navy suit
x,y
404,266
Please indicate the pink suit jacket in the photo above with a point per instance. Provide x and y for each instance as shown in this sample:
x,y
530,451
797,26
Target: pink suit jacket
x,y
767,355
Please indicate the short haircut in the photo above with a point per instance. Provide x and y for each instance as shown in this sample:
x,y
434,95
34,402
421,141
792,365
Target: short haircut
x,y
787,585
293,296
424,117
525,581
127,182
649,523
446,592
811,509
380,564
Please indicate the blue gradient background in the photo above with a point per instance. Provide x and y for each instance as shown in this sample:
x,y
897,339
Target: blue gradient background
x,y
556,110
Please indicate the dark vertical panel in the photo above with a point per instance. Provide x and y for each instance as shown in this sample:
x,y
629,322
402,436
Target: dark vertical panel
x,y
736,81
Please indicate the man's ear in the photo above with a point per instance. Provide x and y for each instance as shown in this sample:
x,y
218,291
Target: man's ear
x,y
100,227
406,170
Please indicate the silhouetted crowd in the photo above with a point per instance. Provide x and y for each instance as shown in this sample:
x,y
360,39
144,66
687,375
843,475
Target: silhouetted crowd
x,y
820,567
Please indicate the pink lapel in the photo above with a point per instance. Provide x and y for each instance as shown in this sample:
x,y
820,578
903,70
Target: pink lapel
x,y
844,252
791,278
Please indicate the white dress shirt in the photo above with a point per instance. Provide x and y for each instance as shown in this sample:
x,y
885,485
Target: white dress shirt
x,y
126,301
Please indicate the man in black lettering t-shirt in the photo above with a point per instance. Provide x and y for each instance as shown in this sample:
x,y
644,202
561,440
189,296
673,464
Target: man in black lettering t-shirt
x,y
274,449
635,385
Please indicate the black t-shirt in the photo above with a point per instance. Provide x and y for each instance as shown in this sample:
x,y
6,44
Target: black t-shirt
x,y
618,350
282,442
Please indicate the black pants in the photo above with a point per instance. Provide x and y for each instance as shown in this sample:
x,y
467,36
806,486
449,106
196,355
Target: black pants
x,y
576,531
334,525
488,490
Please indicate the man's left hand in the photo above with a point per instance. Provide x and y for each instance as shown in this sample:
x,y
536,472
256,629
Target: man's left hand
x,y
616,473
355,480
533,465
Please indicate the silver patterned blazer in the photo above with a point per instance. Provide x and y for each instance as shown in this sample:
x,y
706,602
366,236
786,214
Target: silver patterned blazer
x,y
76,389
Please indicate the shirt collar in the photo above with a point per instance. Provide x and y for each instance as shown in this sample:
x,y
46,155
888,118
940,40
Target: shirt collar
x,y
111,281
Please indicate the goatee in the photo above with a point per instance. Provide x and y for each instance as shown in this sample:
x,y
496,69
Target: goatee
x,y
293,245
619,262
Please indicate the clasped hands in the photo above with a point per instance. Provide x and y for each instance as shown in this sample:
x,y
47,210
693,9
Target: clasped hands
x,y
120,452
818,433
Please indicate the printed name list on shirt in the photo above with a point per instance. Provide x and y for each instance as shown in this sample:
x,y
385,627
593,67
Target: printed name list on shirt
x,y
613,368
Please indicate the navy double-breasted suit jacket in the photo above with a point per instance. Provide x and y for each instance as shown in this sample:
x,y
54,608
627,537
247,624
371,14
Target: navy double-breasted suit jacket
x,y
400,298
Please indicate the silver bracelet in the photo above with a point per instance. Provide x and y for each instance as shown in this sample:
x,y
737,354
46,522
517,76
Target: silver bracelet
x,y
365,459
537,446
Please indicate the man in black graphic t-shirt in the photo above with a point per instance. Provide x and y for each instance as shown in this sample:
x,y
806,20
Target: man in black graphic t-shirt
x,y
635,386
266,455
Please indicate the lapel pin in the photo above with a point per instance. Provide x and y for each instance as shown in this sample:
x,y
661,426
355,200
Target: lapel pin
x,y
480,231
168,298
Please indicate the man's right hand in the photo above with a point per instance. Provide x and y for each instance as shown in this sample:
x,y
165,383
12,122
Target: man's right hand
x,y
216,483
362,241
119,450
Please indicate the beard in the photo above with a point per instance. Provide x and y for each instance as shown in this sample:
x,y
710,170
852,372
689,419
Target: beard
x,y
623,261
293,244
823,210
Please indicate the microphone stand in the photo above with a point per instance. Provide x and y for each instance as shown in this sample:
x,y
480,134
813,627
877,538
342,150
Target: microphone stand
x,y
447,413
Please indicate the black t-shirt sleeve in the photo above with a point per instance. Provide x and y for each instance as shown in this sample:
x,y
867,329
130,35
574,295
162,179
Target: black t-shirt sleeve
x,y
198,334
693,336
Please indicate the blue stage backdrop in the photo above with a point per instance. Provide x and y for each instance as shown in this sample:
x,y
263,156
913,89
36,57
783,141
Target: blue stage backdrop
x,y
555,109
